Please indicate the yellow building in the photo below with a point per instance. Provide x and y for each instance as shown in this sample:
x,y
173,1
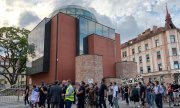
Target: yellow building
x,y
156,51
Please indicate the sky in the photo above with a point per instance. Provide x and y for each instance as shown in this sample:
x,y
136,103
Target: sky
x,y
128,17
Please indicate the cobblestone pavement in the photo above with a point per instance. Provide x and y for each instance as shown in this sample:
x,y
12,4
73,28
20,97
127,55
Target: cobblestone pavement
x,y
16,104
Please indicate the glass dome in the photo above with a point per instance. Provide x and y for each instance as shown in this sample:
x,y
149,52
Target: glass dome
x,y
75,11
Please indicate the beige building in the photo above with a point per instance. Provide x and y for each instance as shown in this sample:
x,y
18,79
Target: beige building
x,y
3,81
156,51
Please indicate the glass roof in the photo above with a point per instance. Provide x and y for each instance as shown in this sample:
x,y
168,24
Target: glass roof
x,y
75,11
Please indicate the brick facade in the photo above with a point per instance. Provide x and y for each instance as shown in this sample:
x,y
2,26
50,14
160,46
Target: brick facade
x,y
126,69
89,67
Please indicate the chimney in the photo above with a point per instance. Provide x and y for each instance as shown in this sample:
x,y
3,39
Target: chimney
x,y
154,29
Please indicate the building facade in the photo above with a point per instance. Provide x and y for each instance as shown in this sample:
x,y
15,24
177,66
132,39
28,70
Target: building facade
x,y
156,51
59,42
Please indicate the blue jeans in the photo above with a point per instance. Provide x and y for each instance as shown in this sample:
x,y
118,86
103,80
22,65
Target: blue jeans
x,y
148,98
68,104
152,95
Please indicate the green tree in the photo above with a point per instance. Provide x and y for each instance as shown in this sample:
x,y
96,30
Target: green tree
x,y
13,52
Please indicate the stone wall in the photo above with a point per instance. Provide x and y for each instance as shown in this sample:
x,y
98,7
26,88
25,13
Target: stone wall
x,y
126,69
89,68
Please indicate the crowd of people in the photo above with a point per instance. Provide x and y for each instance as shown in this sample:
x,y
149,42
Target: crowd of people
x,y
64,94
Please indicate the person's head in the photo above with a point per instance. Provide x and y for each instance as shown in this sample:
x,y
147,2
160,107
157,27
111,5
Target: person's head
x,y
156,82
82,83
162,83
69,82
175,82
114,83
64,82
34,86
110,83
103,81
56,82
140,83
42,83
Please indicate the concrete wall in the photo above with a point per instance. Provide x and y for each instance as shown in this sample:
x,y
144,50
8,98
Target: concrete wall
x,y
89,67
126,69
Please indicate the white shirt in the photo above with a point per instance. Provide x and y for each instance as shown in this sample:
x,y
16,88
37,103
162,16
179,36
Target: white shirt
x,y
158,89
115,91
34,95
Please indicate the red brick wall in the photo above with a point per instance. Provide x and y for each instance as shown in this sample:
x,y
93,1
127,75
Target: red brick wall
x,y
105,47
118,47
66,51
66,47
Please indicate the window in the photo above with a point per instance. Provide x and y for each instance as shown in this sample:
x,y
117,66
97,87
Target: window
x,y
148,69
139,49
141,70
158,55
124,54
176,65
147,58
159,67
174,51
134,60
140,59
172,39
146,47
157,42
133,51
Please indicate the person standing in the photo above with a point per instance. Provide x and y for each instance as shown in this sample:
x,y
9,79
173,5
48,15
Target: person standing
x,y
26,95
126,94
142,93
158,94
175,88
115,95
55,94
81,95
135,95
102,94
69,96
34,97
42,95
64,87
110,94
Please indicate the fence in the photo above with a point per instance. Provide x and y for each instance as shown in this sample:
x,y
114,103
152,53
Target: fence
x,y
13,93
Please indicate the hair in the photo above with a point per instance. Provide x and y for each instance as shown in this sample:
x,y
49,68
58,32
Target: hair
x,y
114,83
56,82
157,82
34,86
140,83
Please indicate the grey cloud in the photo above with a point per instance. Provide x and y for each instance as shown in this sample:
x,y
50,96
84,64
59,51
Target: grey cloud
x,y
128,28
27,18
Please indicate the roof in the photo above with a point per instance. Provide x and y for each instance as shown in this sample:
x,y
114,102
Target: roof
x,y
145,35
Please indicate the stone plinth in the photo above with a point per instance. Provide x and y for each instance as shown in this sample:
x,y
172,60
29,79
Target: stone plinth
x,y
126,69
89,68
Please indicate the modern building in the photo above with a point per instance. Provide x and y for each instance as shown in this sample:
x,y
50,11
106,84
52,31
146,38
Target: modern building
x,y
72,44
156,51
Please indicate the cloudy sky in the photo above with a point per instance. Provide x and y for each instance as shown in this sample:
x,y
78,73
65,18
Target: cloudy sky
x,y
128,17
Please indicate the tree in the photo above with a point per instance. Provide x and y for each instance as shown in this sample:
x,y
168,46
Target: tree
x,y
13,52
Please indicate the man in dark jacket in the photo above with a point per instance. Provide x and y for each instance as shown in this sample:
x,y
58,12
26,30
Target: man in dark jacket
x,y
55,94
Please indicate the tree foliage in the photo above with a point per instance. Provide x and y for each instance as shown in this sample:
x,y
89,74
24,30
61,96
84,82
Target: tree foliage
x,y
13,52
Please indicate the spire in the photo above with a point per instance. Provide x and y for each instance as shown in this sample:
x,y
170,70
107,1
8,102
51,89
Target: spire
x,y
168,22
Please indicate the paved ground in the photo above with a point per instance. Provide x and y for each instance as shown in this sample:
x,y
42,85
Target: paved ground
x,y
16,104
11,102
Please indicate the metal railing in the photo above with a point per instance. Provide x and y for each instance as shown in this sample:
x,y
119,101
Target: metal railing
x,y
13,93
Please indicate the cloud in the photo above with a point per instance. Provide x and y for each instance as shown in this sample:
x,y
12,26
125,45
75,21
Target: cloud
x,y
128,28
27,17
128,17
